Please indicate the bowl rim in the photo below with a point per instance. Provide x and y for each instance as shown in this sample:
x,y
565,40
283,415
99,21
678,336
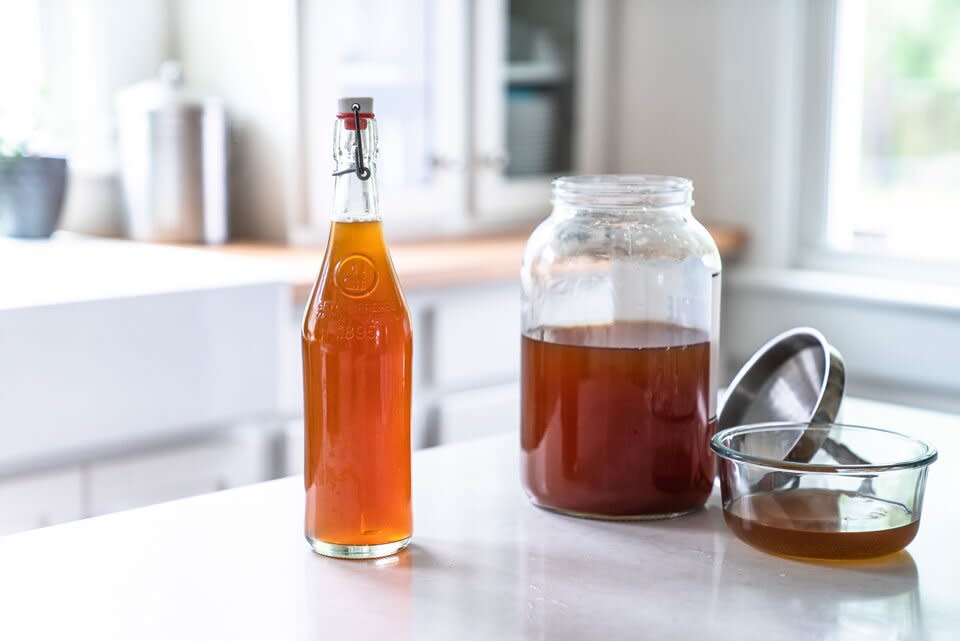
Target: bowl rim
x,y
928,456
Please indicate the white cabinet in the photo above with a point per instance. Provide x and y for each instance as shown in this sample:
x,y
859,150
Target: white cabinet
x,y
411,56
479,413
540,81
39,500
217,464
477,337
108,485
481,103
473,356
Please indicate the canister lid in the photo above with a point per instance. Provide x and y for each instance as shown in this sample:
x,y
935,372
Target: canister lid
x,y
345,105
796,377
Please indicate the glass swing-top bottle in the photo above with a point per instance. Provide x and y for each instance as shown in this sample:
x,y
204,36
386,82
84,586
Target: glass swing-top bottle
x,y
357,349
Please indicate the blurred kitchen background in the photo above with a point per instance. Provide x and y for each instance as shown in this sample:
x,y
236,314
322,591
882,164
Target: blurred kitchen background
x,y
823,139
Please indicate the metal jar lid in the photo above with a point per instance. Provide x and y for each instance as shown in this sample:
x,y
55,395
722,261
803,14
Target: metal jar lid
x,y
796,377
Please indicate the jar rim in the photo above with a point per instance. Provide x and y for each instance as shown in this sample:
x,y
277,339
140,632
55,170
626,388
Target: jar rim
x,y
638,191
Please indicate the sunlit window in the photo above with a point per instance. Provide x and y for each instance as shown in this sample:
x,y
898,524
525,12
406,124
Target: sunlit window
x,y
895,134
21,74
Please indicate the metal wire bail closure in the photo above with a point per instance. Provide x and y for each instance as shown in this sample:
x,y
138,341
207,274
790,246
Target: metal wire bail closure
x,y
363,172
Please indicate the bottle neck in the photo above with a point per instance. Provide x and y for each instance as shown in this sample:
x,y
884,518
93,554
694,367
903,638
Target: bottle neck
x,y
354,199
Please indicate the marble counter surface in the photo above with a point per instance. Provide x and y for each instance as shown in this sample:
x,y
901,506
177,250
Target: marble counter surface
x,y
71,269
484,564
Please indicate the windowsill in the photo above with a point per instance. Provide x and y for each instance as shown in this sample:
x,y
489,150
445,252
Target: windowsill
x,y
897,337
872,290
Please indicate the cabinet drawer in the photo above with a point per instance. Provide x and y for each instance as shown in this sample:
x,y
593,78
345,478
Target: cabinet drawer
x,y
477,337
38,500
478,413
207,466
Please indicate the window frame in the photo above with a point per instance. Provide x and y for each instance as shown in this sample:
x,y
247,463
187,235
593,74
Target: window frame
x,y
823,108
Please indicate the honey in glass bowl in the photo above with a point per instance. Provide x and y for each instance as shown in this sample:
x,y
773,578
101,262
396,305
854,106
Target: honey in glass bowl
x,y
822,509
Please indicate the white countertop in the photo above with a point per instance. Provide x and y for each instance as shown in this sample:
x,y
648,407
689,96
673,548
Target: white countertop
x,y
484,564
72,268
111,344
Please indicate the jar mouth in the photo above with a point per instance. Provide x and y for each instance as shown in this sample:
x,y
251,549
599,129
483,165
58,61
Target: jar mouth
x,y
624,191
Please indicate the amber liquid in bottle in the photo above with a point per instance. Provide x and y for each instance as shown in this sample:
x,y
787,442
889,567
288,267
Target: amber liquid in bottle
x,y
357,348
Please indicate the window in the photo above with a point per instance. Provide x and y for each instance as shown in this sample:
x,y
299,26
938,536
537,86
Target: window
x,y
21,82
894,147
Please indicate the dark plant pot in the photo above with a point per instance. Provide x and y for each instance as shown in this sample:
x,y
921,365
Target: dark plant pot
x,y
31,195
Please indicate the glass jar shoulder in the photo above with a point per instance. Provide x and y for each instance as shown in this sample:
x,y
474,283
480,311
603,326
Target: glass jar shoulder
x,y
598,236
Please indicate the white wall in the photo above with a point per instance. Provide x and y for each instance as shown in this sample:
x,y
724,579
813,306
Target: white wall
x,y
91,49
726,93
246,52
708,91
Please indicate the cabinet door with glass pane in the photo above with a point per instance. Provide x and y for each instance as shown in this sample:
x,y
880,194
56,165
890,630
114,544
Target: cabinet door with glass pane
x,y
410,56
540,82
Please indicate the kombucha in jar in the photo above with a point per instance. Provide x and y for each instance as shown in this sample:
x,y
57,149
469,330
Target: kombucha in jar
x,y
357,347
621,316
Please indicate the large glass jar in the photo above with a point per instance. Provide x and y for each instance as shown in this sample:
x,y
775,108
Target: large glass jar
x,y
621,303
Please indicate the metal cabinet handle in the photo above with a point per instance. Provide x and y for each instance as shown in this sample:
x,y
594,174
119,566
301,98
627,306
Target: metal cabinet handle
x,y
446,163
494,161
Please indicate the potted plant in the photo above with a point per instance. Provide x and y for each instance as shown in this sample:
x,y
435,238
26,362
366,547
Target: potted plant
x,y
32,186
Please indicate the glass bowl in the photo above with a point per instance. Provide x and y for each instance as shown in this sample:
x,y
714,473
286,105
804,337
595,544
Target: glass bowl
x,y
858,496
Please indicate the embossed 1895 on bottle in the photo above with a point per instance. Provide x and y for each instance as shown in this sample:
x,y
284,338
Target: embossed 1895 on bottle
x,y
357,348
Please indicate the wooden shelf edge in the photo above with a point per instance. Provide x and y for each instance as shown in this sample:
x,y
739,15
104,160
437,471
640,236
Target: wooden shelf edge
x,y
441,262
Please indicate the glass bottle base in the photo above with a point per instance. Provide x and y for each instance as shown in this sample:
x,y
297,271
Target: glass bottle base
x,y
339,551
